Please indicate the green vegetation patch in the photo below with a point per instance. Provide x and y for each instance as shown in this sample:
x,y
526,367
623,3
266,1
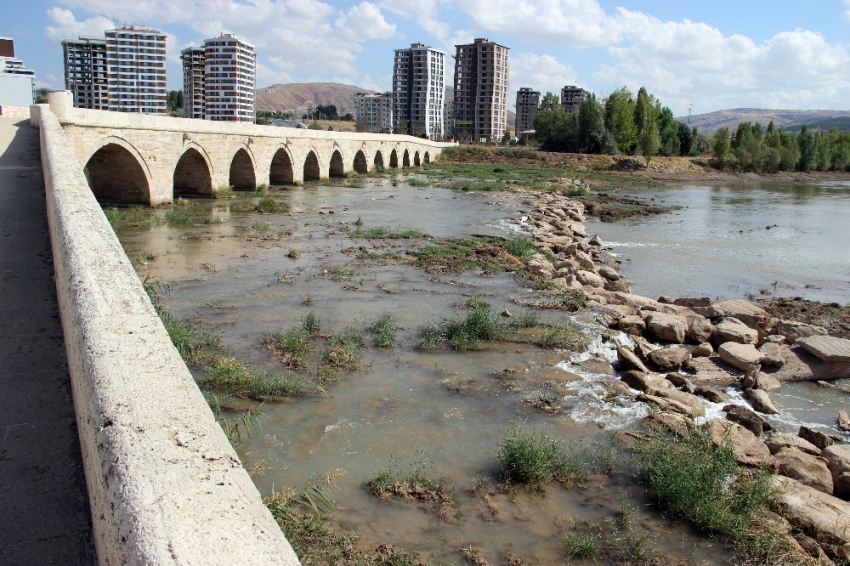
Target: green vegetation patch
x,y
234,375
384,330
538,458
456,255
131,215
270,205
386,233
292,346
415,481
317,542
700,481
344,349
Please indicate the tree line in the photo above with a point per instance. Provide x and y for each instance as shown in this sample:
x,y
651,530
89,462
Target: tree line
x,y
760,150
619,124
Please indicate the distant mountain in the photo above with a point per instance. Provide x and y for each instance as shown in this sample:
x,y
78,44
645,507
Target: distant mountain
x,y
711,121
840,122
299,97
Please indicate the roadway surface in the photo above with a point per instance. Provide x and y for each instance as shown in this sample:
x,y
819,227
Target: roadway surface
x,y
44,512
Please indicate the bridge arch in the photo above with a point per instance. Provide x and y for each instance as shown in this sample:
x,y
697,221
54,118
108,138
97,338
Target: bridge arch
x,y
360,164
405,162
378,162
394,159
337,165
312,169
192,173
242,174
116,172
426,159
282,169
416,161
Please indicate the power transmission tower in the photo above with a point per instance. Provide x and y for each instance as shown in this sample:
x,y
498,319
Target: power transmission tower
x,y
690,112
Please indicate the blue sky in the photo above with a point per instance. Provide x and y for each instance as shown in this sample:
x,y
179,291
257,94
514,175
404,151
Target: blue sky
x,y
712,54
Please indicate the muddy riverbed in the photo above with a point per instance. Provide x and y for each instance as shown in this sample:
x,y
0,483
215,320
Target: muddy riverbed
x,y
242,274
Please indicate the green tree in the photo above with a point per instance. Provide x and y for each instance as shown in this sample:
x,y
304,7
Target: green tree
x,y
720,147
550,102
593,137
790,152
646,114
620,119
361,125
686,139
401,126
808,150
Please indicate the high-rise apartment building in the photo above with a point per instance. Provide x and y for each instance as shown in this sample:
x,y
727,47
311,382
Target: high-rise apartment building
x,y
482,78
449,119
85,72
17,83
135,70
527,102
374,111
193,82
418,90
572,97
229,79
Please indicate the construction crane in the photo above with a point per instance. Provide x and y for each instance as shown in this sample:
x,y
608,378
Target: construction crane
x,y
117,21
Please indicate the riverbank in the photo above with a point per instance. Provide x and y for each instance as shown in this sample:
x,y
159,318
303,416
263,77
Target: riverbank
x,y
668,170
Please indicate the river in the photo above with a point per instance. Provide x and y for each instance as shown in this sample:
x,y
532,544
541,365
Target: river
x,y
239,279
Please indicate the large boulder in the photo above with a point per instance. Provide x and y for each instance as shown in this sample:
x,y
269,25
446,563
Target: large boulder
x,y
816,437
827,348
741,356
733,330
695,406
584,260
632,324
749,450
700,329
780,440
844,421
823,516
667,327
772,354
805,468
589,278
744,311
838,461
669,405
675,422
541,266
747,418
761,401
704,350
644,382
629,361
712,394
669,357
692,302
609,273
793,330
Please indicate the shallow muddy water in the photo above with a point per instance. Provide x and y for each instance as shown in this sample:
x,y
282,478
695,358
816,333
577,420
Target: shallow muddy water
x,y
718,244
236,279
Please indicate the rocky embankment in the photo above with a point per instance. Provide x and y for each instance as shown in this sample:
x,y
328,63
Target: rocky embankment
x,y
687,349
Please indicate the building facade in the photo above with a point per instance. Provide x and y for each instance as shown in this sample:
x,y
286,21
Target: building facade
x,y
17,83
229,79
374,112
482,79
527,103
572,97
135,70
193,59
449,119
418,90
85,72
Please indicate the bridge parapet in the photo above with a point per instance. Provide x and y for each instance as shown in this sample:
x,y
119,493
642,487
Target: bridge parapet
x,y
164,484
152,153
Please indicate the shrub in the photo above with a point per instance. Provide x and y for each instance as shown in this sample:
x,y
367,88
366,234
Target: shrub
x,y
480,324
520,246
529,458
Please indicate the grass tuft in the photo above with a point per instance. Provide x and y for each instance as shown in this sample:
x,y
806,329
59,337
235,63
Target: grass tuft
x,y
292,346
384,330
233,374
386,233
269,205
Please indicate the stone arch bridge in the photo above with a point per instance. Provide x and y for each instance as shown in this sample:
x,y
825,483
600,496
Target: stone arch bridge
x,y
152,160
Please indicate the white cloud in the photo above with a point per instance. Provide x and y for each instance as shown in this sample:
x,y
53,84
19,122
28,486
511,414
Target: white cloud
x,y
66,26
564,23
426,13
295,38
540,72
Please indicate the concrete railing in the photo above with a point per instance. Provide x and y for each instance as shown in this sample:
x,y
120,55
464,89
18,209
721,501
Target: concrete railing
x,y
164,484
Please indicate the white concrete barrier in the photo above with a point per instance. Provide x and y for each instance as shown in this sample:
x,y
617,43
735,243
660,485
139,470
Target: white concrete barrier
x,y
164,484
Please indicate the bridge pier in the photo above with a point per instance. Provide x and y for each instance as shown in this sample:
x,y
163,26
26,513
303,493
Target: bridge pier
x,y
150,159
